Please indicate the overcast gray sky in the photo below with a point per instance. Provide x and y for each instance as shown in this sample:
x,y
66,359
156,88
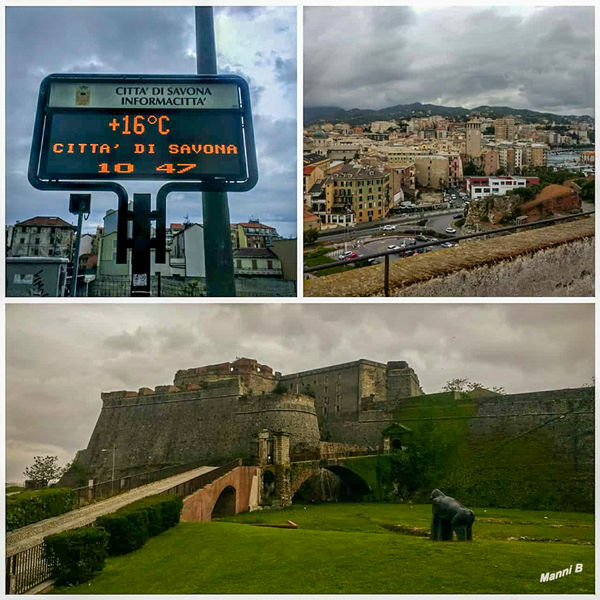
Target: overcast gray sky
x,y
541,58
258,43
60,358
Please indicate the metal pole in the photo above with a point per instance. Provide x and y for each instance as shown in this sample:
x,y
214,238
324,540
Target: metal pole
x,y
218,251
76,255
112,479
386,275
140,254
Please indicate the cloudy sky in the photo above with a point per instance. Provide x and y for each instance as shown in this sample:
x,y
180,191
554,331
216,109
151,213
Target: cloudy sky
x,y
541,58
258,43
60,358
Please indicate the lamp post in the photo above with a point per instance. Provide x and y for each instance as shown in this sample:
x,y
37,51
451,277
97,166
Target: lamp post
x,y
112,477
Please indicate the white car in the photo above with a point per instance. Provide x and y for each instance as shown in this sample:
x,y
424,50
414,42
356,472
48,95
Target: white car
x,y
447,245
393,247
389,228
450,230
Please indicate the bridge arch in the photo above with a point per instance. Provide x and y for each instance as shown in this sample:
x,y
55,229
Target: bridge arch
x,y
354,487
225,504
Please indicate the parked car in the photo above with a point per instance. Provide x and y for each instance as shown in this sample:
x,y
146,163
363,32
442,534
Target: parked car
x,y
388,228
393,247
447,245
450,230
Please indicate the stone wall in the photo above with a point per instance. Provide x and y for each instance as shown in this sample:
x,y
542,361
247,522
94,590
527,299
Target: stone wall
x,y
343,391
567,270
210,425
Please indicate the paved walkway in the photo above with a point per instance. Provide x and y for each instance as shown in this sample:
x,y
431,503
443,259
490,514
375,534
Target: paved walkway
x,y
34,534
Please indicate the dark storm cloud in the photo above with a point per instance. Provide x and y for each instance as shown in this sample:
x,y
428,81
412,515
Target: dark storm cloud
x,y
285,69
539,58
59,358
44,40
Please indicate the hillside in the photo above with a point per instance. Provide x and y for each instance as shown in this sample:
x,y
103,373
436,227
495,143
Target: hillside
x,y
356,116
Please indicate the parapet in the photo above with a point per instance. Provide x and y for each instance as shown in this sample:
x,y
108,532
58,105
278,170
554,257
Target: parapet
x,y
241,366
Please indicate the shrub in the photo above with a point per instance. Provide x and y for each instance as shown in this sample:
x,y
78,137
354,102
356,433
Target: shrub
x,y
459,222
75,555
32,506
130,527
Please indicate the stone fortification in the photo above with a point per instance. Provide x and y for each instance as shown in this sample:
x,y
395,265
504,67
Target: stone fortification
x,y
213,414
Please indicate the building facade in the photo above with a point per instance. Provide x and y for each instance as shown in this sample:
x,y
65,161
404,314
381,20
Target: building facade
x,y
43,236
480,187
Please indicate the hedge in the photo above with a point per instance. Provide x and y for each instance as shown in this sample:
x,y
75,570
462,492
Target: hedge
x,y
75,555
30,507
131,526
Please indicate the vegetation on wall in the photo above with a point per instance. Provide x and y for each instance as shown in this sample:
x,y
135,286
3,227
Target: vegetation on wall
x,y
502,468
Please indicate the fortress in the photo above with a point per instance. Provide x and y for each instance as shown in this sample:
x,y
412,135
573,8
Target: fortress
x,y
215,413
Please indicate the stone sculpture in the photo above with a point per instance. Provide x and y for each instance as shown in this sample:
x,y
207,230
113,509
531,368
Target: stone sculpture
x,y
450,516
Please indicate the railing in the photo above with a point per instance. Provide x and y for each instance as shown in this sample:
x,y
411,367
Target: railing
x,y
106,489
193,485
401,251
27,569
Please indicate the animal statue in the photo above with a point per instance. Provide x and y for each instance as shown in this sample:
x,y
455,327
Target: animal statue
x,y
450,516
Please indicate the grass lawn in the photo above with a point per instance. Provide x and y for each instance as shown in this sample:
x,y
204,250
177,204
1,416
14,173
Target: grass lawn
x,y
342,548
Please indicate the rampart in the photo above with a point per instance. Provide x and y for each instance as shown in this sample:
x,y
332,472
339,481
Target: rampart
x,y
204,419
214,414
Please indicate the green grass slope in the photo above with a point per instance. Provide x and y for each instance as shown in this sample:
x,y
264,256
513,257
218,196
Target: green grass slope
x,y
343,549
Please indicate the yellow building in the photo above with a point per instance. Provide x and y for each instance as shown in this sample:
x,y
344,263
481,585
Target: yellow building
x,y
363,193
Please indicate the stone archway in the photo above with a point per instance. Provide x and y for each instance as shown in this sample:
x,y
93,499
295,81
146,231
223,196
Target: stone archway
x,y
225,504
346,486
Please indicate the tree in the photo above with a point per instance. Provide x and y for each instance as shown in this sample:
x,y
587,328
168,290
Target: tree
x,y
471,169
464,384
43,470
310,236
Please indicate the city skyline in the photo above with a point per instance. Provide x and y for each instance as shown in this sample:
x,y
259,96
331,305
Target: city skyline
x,y
156,40
515,346
453,56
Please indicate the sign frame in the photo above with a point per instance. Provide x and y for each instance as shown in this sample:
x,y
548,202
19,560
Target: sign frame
x,y
70,181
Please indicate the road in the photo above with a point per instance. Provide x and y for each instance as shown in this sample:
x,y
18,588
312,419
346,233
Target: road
x,y
354,234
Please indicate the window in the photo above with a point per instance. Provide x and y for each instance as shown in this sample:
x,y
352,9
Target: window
x,y
239,263
22,241
269,264
254,266
37,240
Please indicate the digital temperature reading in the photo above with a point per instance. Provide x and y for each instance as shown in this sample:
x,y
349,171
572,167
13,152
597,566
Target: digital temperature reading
x,y
133,127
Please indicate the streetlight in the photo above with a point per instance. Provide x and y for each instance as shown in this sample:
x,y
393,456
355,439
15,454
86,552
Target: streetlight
x,y
112,477
349,212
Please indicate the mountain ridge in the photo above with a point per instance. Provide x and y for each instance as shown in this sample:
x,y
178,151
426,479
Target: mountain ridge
x,y
355,116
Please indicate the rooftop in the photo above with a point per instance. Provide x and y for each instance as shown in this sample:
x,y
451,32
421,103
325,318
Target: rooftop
x,y
45,222
254,253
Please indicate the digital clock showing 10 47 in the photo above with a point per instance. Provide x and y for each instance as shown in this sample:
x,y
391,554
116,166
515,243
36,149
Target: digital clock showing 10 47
x,y
181,128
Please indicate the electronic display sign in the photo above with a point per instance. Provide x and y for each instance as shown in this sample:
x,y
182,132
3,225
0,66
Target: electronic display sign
x,y
180,128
